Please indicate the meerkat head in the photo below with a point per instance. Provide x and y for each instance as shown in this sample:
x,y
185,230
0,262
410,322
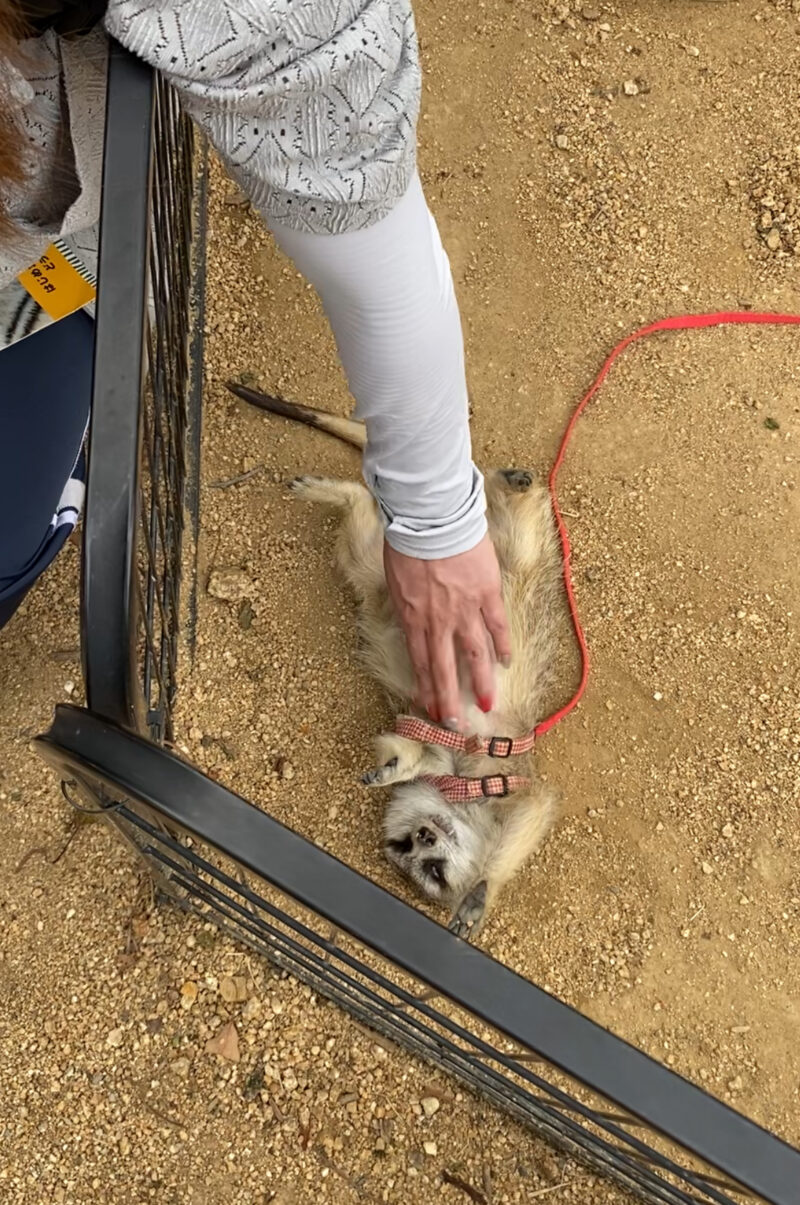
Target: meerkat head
x,y
436,844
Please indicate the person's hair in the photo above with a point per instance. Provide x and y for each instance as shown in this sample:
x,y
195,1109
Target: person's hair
x,y
12,30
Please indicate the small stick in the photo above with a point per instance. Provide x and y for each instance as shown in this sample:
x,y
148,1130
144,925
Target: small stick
x,y
223,485
474,1194
543,1192
39,849
45,853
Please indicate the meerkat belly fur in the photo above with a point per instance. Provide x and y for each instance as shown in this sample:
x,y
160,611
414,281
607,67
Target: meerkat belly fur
x,y
458,854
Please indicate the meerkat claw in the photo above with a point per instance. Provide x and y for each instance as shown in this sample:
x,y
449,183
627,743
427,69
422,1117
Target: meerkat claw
x,y
518,479
468,917
380,775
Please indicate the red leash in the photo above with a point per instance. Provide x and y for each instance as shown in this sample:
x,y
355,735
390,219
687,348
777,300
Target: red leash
x,y
459,790
679,323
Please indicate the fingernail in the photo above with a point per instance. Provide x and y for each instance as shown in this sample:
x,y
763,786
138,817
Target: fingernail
x,y
434,714
505,660
484,702
452,723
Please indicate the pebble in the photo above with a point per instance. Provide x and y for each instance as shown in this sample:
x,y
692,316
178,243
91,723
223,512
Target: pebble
x,y
562,142
180,1067
736,1084
727,831
234,988
115,1037
630,87
429,1148
707,868
188,993
251,1009
773,240
230,585
225,1043
430,1105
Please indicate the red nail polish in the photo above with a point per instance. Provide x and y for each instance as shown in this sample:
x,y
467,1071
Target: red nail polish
x,y
434,714
484,703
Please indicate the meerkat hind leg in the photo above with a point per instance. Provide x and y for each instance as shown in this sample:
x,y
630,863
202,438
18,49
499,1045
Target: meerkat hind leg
x,y
519,480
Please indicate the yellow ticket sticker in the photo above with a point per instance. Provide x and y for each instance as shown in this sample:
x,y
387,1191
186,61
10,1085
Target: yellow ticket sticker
x,y
59,282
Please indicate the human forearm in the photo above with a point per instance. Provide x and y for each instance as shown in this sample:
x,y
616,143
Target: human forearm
x,y
388,294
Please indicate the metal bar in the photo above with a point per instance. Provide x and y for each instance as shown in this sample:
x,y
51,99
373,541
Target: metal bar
x,y
108,597
632,1162
194,433
504,1000
146,401
253,923
352,996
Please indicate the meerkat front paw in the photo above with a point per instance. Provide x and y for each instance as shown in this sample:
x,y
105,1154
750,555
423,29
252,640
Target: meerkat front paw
x,y
468,916
398,760
381,776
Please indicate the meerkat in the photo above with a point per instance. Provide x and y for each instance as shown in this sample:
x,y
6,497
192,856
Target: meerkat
x,y
457,854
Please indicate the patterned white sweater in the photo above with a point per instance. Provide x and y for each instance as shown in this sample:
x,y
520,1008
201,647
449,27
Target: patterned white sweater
x,y
312,106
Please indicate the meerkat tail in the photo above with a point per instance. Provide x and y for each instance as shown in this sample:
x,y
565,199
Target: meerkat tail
x,y
349,430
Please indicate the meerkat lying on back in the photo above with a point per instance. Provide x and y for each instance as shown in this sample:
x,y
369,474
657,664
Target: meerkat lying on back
x,y
458,854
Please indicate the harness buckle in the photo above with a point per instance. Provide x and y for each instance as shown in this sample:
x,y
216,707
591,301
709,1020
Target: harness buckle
x,y
500,746
489,794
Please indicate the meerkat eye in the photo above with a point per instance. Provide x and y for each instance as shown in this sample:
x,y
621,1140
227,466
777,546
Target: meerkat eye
x,y
426,837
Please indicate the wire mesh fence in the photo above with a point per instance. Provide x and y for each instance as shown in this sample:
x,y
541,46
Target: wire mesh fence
x,y
400,973
218,856
144,436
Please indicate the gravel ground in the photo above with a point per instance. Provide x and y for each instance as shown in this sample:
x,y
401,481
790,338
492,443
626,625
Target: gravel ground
x,y
592,168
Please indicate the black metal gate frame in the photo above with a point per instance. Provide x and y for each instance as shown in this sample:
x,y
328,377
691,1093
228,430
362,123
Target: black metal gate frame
x,y
149,794
146,404
214,853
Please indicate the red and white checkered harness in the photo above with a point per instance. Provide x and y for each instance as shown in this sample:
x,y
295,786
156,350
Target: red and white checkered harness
x,y
461,790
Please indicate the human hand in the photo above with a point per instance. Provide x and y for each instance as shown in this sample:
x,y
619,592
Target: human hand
x,y
445,607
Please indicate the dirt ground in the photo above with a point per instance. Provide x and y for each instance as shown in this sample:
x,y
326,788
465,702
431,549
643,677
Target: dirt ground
x,y
592,168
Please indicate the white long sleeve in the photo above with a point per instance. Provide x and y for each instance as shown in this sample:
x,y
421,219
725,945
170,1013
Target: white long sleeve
x,y
388,294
